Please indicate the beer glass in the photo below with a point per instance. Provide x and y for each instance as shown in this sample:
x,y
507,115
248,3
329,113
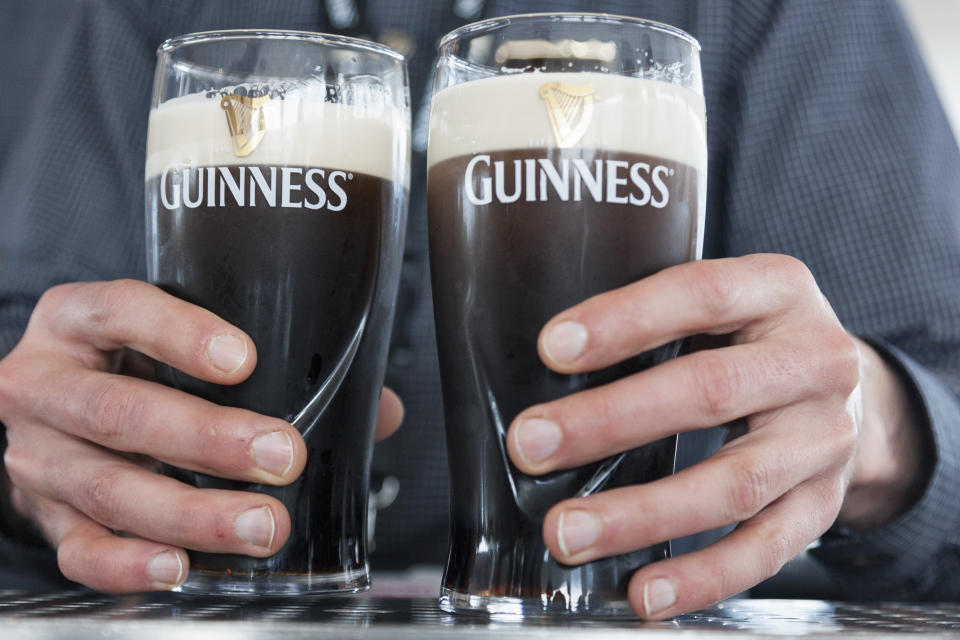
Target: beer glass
x,y
276,190
567,157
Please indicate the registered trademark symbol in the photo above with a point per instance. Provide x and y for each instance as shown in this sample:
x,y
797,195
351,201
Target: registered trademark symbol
x,y
349,176
671,172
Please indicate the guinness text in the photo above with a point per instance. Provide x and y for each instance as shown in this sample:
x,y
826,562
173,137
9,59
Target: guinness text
x,y
251,186
570,179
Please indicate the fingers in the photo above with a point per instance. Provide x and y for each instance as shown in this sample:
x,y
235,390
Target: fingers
x,y
733,485
390,414
754,551
715,296
695,391
792,371
108,316
136,416
90,554
120,495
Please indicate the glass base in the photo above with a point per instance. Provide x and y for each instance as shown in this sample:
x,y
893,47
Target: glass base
x,y
276,584
508,608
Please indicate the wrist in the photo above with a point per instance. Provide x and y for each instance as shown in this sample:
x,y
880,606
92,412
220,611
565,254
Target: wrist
x,y
891,468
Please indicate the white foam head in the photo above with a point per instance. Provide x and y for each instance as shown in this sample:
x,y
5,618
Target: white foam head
x,y
301,129
506,112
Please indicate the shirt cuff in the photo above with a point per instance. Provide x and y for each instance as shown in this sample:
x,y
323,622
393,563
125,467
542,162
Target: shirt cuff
x,y
905,559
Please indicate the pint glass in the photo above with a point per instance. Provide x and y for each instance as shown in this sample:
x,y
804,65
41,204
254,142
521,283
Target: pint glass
x,y
276,188
567,157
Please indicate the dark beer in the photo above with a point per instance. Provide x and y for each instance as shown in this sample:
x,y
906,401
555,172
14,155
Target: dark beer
x,y
305,259
521,229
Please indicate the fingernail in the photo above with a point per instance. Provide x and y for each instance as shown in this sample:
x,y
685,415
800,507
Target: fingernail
x,y
227,353
256,527
576,531
565,341
658,594
166,569
274,452
537,439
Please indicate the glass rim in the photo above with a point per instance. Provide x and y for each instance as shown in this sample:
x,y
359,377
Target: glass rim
x,y
490,24
171,45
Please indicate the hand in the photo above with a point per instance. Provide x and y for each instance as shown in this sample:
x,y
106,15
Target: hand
x,y
790,370
78,432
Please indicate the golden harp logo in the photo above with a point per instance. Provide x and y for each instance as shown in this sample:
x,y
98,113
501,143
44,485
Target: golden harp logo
x,y
570,109
246,121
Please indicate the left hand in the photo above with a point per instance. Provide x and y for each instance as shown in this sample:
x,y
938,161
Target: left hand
x,y
791,370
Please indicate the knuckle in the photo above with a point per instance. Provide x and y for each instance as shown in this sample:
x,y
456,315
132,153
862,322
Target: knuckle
x,y
215,434
101,498
786,274
223,439
16,465
634,318
112,411
212,428
716,287
749,487
789,268
836,492
775,548
719,382
829,498
78,561
719,583
845,434
66,560
203,519
844,366
601,419
109,299
53,307
54,299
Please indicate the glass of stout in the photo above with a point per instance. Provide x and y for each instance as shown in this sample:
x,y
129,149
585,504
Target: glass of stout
x,y
276,191
567,157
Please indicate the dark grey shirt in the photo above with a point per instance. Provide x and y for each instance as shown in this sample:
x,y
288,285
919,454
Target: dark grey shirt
x,y
826,142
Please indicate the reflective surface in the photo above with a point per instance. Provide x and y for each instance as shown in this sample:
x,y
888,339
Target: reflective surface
x,y
81,615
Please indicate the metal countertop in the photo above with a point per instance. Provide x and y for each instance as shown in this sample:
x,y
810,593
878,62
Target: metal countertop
x,y
83,616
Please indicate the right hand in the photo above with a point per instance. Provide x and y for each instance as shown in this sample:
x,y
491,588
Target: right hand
x,y
82,437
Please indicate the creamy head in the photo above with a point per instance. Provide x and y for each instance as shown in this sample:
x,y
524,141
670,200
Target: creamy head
x,y
507,112
300,130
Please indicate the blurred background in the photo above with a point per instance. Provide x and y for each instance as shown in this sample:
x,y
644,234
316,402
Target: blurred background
x,y
936,26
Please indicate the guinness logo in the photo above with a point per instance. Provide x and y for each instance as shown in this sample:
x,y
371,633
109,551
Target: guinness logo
x,y
570,109
246,121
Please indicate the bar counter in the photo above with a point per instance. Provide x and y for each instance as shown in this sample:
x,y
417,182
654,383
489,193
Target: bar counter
x,y
85,616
